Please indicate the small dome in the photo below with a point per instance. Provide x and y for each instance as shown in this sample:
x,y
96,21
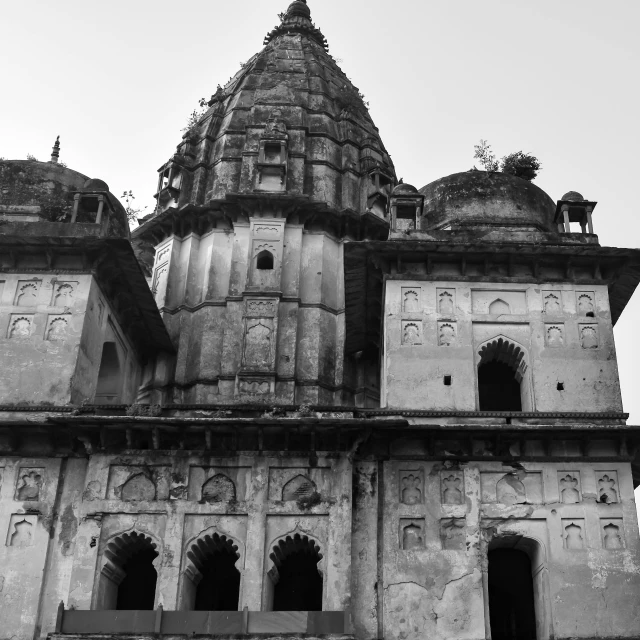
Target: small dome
x,y
298,8
572,196
95,185
480,199
404,189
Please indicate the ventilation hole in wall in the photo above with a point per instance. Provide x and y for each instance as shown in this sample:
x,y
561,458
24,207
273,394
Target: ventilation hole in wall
x,y
560,386
447,381
590,314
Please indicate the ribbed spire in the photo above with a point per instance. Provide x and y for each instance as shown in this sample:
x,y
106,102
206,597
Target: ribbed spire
x,y
297,19
55,152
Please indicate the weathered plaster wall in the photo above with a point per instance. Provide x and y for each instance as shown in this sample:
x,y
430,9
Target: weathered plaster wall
x,y
52,329
41,321
436,329
210,291
440,519
250,510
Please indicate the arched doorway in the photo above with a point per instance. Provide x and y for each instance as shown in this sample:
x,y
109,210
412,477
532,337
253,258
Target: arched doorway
x,y
501,370
211,578
516,587
511,602
128,577
296,582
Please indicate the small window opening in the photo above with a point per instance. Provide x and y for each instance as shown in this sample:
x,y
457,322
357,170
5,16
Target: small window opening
x,y
87,209
511,597
447,381
297,582
560,386
219,588
138,587
264,260
109,375
405,217
272,153
590,314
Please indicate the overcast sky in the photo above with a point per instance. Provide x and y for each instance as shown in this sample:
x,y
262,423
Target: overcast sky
x,y
558,78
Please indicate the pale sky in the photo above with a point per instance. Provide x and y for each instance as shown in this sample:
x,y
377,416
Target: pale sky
x,y
557,78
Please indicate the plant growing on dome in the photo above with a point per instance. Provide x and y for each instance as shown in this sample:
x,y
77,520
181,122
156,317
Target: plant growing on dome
x,y
485,156
133,213
521,165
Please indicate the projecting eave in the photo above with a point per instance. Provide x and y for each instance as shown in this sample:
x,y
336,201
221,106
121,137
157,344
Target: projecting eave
x,y
368,263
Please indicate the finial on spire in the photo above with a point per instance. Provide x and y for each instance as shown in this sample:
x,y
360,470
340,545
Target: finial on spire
x,y
55,152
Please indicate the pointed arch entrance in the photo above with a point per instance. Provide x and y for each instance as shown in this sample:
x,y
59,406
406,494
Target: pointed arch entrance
x,y
211,578
503,380
517,590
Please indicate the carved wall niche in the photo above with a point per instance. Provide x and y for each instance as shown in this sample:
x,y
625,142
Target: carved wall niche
x,y
517,487
453,533
57,327
266,253
585,304
411,486
552,303
259,344
20,326
412,332
452,487
554,335
569,487
261,307
218,484
607,486
589,336
498,302
161,272
27,293
21,532
290,484
573,534
29,484
411,299
412,534
447,334
612,533
446,302
219,488
132,483
63,294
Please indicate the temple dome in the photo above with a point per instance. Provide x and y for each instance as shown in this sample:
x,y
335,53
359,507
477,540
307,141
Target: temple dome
x,y
483,199
292,91
404,189
573,196
44,191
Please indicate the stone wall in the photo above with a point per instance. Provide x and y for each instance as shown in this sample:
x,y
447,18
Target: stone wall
x,y
433,330
52,330
249,333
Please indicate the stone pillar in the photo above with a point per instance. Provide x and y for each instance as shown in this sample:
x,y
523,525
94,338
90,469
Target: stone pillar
x,y
589,220
565,213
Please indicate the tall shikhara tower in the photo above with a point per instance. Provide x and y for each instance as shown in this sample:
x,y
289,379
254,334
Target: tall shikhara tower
x,y
303,398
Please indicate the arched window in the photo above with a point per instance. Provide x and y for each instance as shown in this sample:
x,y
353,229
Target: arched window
x,y
211,579
264,260
109,375
128,578
295,577
500,374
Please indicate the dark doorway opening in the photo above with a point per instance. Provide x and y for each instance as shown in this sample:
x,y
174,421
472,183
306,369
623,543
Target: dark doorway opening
x,y
511,600
219,588
138,587
109,375
498,388
299,586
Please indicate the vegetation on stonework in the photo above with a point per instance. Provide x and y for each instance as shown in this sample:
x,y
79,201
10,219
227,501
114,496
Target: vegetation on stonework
x,y
133,213
518,164
26,188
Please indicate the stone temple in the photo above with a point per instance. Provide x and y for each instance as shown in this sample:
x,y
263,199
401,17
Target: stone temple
x,y
303,398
